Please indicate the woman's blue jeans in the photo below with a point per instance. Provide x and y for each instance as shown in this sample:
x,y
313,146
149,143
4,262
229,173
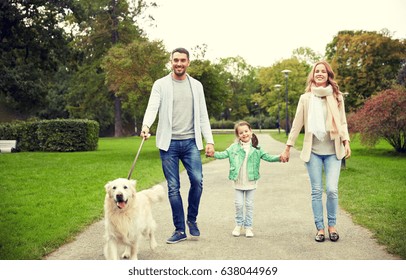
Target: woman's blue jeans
x,y
332,168
187,152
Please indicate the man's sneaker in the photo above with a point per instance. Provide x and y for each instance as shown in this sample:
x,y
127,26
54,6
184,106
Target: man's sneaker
x,y
176,237
249,233
193,229
237,231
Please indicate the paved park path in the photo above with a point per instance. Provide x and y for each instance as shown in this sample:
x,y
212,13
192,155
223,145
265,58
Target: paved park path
x,y
283,222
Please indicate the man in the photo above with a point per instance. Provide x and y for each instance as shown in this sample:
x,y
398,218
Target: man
x,y
179,100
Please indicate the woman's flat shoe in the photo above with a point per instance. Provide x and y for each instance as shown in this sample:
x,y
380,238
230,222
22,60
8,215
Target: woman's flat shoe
x,y
319,237
333,236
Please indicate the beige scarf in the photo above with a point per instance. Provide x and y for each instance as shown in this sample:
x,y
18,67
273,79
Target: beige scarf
x,y
316,122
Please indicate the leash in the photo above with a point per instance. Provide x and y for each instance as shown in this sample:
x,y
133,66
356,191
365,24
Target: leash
x,y
135,160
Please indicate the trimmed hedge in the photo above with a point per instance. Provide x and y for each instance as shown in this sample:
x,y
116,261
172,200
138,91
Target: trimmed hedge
x,y
266,123
59,135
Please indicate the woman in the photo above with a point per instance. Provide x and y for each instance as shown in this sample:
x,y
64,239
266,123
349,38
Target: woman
x,y
321,111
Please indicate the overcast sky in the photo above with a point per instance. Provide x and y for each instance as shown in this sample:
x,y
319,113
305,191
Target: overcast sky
x,y
266,31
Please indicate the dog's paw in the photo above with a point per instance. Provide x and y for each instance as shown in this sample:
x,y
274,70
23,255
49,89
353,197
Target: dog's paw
x,y
125,256
127,253
153,244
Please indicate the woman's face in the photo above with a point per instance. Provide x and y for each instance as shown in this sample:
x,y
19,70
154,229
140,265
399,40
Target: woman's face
x,y
320,75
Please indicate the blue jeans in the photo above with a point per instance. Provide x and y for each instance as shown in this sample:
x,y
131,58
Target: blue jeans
x,y
332,168
244,198
187,152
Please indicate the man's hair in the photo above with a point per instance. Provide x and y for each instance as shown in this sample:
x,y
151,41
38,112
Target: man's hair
x,y
180,50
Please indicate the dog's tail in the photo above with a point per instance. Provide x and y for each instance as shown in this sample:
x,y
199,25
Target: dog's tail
x,y
155,194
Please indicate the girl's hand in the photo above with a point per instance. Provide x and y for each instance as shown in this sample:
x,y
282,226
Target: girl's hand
x,y
286,154
209,151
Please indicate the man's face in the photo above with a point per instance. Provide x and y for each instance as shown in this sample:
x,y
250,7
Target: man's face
x,y
180,63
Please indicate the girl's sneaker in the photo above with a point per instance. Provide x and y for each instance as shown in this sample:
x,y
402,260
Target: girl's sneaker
x,y
237,231
248,232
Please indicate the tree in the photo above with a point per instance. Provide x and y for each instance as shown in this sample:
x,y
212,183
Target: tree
x,y
269,97
383,116
366,62
131,71
307,55
34,46
242,83
108,23
401,80
214,84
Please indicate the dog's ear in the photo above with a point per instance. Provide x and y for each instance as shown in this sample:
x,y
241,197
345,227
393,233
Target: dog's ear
x,y
107,187
133,183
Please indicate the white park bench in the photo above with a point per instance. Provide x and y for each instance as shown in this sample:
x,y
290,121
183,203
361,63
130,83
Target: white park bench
x,y
7,146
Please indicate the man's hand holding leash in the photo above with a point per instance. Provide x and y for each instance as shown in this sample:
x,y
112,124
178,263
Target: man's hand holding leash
x,y
145,132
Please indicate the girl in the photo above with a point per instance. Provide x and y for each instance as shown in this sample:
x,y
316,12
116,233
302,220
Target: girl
x,y
244,156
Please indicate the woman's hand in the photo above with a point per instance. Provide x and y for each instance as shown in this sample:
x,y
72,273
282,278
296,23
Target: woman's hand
x,y
347,149
285,154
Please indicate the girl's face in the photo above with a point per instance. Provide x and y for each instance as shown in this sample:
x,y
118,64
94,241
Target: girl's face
x,y
244,133
320,75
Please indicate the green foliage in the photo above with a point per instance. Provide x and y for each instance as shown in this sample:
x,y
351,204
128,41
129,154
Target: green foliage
x,y
307,55
88,97
111,25
24,132
68,135
382,117
130,71
242,83
33,46
401,80
222,124
214,84
365,62
53,135
270,97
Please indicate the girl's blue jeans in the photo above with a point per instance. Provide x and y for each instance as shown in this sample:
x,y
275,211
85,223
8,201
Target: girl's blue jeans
x,y
244,198
332,167
187,152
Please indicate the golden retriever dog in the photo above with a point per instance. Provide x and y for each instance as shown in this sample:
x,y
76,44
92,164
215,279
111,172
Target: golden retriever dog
x,y
128,218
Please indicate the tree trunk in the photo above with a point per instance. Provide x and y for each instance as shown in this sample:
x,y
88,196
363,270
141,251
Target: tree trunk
x,y
118,124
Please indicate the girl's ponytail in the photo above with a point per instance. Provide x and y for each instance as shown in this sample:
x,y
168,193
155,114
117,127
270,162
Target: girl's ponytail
x,y
254,141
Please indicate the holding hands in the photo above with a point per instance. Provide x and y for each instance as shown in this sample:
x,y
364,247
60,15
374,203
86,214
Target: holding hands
x,y
209,150
285,155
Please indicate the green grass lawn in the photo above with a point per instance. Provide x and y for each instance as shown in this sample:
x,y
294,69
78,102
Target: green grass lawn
x,y
373,190
48,198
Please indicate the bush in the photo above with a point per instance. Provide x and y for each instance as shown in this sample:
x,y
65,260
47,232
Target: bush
x,y
23,132
266,123
382,117
221,124
61,135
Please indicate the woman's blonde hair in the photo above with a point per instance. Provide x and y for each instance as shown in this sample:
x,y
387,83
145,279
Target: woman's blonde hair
x,y
254,139
330,80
